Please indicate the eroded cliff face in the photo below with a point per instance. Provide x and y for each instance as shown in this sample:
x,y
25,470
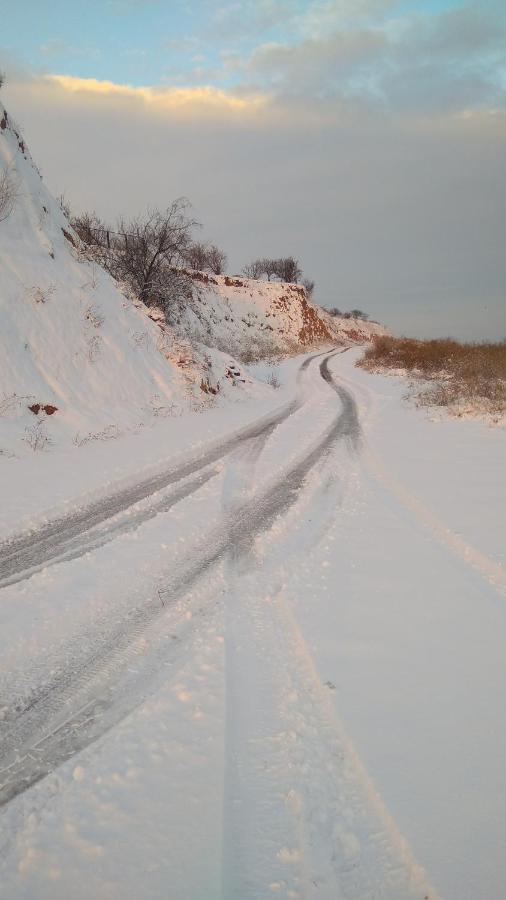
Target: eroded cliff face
x,y
253,319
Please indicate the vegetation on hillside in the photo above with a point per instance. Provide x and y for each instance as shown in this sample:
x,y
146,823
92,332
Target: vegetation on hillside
x,y
283,268
463,376
348,314
153,253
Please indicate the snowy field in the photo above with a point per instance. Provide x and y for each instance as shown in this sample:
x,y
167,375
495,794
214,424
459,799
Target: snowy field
x,y
278,671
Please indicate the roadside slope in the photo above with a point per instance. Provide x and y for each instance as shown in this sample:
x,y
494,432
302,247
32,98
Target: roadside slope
x,y
78,359
255,319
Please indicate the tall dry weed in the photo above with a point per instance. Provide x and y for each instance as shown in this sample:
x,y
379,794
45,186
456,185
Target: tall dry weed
x,y
459,373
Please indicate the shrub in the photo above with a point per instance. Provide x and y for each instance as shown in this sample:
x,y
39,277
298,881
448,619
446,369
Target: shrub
x,y
36,437
459,372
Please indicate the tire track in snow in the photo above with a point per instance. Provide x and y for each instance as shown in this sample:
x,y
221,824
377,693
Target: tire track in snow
x,y
73,535
47,718
23,555
301,816
74,547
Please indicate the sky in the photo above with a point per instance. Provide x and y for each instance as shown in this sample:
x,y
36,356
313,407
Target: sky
x,y
365,137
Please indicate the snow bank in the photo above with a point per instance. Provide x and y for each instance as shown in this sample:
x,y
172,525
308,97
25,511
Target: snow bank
x,y
78,359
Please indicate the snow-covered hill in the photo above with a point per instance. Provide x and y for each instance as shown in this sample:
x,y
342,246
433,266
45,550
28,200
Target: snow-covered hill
x,y
79,359
253,319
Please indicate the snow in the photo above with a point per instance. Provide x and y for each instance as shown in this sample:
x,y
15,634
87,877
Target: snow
x,y
168,671
280,673
93,364
311,715
408,625
454,466
258,319
84,369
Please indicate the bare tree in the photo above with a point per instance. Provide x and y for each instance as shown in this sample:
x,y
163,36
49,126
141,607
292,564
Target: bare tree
x,y
148,254
359,314
217,260
309,286
154,248
270,268
254,269
206,257
259,267
9,192
196,256
91,229
287,269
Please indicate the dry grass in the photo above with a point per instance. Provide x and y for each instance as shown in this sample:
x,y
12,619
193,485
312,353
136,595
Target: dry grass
x,y
465,377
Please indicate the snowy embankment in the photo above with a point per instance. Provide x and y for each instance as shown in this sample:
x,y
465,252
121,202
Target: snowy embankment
x,y
80,362
96,388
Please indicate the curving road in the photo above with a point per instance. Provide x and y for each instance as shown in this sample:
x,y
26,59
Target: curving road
x,y
74,534
85,699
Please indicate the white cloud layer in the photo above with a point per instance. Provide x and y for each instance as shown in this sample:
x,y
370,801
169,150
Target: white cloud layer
x,y
373,150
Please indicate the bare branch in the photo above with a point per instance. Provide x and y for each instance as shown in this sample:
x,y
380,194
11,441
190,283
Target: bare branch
x,y
309,286
206,257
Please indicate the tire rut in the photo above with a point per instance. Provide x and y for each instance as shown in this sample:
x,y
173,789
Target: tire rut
x,y
86,700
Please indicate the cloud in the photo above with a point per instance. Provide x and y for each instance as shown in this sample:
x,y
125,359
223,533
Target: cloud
x,y
202,99
254,17
129,7
400,215
56,48
324,17
295,19
183,44
369,145
450,61
334,67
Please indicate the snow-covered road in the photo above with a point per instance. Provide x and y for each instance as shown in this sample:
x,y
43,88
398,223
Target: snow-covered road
x,y
271,670
29,722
